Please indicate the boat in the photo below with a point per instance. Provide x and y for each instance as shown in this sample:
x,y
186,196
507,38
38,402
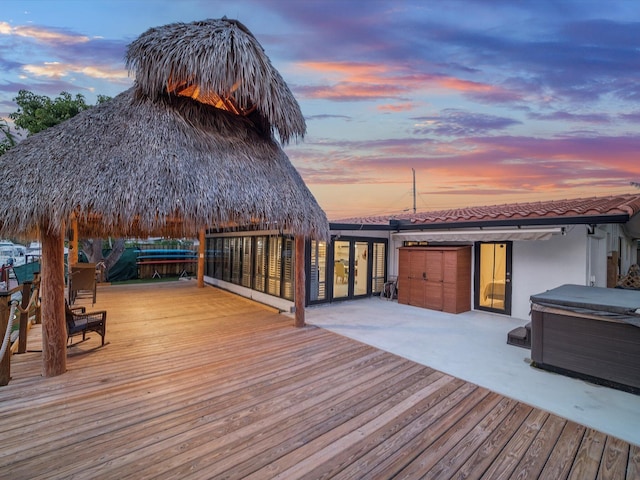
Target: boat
x,y
11,254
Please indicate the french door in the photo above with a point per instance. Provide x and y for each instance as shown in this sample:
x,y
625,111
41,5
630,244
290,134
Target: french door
x,y
351,269
347,268
492,280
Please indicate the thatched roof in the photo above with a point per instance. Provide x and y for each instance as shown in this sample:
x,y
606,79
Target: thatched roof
x,y
152,162
217,62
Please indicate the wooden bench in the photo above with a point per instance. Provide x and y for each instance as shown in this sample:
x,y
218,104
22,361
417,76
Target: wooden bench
x,y
79,321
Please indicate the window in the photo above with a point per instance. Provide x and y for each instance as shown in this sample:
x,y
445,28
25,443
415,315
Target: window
x,y
260,276
318,271
210,256
247,261
236,260
215,256
275,266
288,268
378,269
226,259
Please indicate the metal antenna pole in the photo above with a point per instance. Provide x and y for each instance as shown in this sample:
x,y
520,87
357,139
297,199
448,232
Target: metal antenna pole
x,y
414,189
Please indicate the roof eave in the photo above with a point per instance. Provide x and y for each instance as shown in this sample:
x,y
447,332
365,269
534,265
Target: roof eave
x,y
401,225
361,226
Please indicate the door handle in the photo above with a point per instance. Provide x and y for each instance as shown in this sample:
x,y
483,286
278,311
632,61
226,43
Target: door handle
x,y
424,275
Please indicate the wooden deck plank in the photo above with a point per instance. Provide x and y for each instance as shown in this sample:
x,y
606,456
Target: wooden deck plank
x,y
587,461
200,383
232,447
292,432
633,468
312,425
536,456
514,443
247,408
125,413
500,422
490,410
613,465
333,450
564,452
402,451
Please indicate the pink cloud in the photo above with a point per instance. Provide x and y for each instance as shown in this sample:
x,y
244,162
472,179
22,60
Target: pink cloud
x,y
398,107
353,81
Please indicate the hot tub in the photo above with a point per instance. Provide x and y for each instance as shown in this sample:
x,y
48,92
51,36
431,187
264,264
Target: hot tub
x,y
588,332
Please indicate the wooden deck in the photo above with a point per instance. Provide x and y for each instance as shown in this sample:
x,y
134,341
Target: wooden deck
x,y
200,383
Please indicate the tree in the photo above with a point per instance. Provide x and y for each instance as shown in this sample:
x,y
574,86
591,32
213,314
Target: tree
x,y
636,184
9,139
93,249
38,112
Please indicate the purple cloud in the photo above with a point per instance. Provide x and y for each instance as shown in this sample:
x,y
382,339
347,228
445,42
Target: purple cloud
x,y
454,122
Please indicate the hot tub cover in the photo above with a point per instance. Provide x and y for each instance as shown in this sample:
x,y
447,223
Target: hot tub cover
x,y
615,303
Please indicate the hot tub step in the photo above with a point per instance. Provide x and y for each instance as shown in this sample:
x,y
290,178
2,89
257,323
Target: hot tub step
x,y
520,337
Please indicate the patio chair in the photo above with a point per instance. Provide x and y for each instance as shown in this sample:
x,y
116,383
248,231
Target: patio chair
x,y
79,321
82,281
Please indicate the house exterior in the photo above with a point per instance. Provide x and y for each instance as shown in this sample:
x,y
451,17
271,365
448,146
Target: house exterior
x,y
517,250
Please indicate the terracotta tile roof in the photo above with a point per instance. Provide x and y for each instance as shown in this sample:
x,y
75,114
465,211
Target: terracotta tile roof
x,y
577,207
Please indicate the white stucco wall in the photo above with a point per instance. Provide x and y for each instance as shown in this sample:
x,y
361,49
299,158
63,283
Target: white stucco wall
x,y
542,265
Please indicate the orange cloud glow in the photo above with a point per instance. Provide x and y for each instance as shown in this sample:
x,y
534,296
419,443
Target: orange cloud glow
x,y
58,70
41,34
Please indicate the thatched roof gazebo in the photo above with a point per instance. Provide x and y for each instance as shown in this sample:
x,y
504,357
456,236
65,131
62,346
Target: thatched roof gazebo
x,y
192,145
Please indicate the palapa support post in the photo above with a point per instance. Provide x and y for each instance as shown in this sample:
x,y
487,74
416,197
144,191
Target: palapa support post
x,y
201,250
300,293
54,331
24,317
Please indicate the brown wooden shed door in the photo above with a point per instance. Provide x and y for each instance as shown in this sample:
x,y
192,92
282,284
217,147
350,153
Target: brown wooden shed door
x,y
420,280
433,278
437,278
411,267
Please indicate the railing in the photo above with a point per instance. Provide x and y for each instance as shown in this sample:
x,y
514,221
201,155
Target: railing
x,y
29,309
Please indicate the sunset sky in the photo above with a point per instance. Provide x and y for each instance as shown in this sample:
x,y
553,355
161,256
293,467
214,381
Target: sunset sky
x,y
490,101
